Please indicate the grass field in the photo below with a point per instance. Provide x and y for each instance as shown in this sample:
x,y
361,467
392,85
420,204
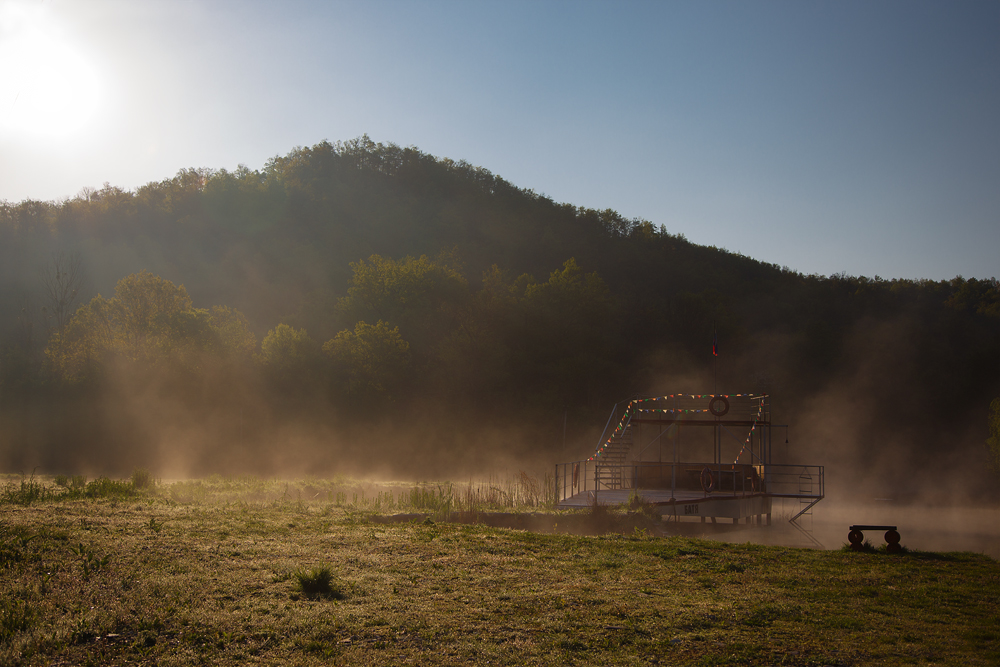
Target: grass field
x,y
244,571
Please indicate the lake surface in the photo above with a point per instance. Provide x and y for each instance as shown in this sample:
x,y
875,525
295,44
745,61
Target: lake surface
x,y
920,527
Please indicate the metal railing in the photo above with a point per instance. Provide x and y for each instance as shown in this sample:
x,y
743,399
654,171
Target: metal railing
x,y
572,478
712,479
807,483
788,480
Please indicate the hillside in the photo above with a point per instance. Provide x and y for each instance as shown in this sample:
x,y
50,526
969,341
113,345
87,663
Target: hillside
x,y
359,305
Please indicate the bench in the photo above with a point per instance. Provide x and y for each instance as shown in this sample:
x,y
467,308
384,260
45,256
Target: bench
x,y
857,537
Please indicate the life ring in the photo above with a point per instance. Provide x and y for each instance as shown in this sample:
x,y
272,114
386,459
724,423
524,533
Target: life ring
x,y
576,475
718,411
707,479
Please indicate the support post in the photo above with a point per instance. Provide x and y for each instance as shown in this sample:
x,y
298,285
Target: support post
x,y
556,480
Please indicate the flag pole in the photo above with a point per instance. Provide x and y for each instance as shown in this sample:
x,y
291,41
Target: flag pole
x,y
715,354
717,445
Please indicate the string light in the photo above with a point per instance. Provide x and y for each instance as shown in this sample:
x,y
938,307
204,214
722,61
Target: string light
x,y
760,409
631,409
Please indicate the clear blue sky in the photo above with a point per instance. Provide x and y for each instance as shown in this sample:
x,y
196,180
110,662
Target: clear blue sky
x,y
858,137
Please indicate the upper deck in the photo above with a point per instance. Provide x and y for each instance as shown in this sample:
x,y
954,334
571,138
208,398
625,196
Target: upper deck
x,y
711,452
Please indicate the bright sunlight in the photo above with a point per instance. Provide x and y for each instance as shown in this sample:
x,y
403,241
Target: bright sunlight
x,y
49,89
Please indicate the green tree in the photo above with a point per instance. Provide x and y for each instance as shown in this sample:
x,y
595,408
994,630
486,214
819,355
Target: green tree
x,y
290,361
285,348
979,296
993,442
62,280
140,313
419,295
233,330
135,325
475,359
373,359
568,331
148,320
399,289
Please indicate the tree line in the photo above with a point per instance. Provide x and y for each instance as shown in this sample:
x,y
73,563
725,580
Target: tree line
x,y
352,276
417,329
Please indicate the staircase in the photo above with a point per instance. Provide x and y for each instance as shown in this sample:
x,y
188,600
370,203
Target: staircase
x,y
610,464
807,492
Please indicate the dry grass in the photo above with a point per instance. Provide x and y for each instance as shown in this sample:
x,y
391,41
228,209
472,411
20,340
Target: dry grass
x,y
149,580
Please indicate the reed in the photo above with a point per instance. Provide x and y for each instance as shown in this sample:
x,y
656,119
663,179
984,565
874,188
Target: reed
x,y
518,492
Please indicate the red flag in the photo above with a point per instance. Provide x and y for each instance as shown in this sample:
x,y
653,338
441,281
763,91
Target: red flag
x,y
715,343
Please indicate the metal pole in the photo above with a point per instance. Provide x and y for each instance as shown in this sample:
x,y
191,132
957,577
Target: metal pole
x,y
565,416
673,466
673,469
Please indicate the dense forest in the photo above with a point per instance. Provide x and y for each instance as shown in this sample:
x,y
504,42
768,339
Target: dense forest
x,y
366,308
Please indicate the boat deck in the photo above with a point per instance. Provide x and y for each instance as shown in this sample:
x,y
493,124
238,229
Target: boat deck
x,y
654,496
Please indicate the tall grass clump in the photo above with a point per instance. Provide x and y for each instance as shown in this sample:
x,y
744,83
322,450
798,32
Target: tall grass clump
x,y
15,616
102,487
142,479
74,483
29,491
520,492
319,582
26,492
436,499
637,504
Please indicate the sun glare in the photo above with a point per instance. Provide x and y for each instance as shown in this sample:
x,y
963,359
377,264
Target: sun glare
x,y
50,89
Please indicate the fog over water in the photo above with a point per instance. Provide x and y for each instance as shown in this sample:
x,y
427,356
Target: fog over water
x,y
921,527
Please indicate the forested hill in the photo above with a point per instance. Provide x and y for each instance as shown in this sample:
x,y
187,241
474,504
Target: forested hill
x,y
354,288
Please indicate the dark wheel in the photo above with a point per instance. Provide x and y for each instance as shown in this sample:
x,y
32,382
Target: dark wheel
x,y
893,548
891,537
855,537
719,406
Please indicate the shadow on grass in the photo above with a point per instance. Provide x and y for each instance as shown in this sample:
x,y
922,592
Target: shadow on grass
x,y
949,556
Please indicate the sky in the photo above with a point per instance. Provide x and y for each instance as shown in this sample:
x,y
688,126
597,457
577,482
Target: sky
x,y
828,137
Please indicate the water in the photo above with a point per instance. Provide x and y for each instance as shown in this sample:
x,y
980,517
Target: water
x,y
925,528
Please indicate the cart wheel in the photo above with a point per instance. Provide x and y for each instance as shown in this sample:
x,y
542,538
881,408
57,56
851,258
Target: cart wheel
x,y
893,548
855,537
891,537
